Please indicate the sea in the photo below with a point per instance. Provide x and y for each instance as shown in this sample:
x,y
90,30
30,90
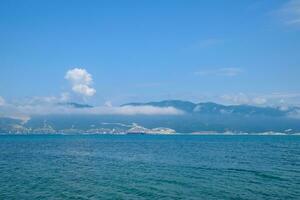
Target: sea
x,y
149,167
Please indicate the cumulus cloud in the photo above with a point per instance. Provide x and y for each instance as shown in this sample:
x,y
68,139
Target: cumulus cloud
x,y
81,81
230,71
84,89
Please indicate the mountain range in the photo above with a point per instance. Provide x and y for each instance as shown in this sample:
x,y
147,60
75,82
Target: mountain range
x,y
201,118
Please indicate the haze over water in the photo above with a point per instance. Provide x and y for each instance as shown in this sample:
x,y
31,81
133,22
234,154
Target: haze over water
x,y
149,167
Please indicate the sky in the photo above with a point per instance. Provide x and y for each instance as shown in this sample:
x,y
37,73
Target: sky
x,y
114,52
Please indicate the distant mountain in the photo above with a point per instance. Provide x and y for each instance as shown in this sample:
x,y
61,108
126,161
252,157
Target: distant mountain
x,y
214,108
8,124
76,105
205,117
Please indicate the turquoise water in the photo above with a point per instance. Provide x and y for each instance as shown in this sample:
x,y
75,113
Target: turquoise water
x,y
149,167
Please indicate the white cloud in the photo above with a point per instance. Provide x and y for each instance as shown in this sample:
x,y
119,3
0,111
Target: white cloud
x,y
25,111
259,100
2,101
13,112
283,98
84,89
79,76
144,110
283,95
81,81
239,98
290,13
282,101
270,99
242,98
38,100
230,71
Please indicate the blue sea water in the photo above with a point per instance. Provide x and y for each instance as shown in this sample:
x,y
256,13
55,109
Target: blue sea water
x,y
149,167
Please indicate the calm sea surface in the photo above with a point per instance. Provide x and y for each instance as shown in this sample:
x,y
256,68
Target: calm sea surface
x,y
149,167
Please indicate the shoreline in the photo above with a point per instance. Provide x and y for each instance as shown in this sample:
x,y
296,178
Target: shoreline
x,y
149,134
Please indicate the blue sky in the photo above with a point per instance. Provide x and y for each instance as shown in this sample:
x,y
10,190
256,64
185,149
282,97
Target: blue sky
x,y
224,51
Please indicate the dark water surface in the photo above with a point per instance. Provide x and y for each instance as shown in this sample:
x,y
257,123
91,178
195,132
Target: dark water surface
x,y
149,167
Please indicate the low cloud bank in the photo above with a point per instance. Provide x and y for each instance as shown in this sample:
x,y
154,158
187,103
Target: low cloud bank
x,y
24,112
99,110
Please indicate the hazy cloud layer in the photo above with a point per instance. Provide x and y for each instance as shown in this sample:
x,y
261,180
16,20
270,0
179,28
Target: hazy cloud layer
x,y
81,81
290,13
242,98
271,99
25,111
